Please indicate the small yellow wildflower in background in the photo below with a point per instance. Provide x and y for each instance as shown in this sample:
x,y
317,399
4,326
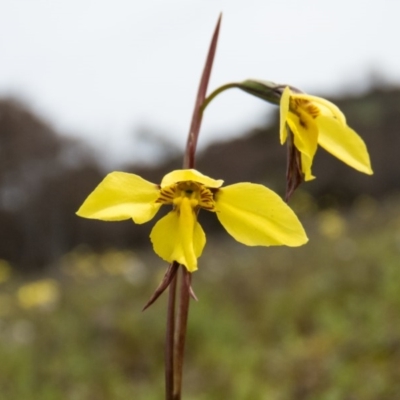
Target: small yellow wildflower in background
x,y
5,270
313,121
44,293
331,224
81,263
117,262
252,214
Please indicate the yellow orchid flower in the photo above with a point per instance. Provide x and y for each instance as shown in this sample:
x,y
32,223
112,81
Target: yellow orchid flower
x,y
314,121
252,214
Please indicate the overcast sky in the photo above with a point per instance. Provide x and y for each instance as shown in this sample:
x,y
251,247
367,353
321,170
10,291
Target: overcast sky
x,y
103,70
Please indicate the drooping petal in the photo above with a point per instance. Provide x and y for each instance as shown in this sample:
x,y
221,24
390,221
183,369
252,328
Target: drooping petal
x,y
182,175
305,136
344,143
284,111
176,237
306,163
122,196
256,216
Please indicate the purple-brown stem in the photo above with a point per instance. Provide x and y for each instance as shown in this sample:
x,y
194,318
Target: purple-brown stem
x,y
191,144
294,174
180,334
176,330
169,342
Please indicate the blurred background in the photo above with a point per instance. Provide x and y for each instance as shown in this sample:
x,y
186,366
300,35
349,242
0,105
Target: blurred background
x,y
87,88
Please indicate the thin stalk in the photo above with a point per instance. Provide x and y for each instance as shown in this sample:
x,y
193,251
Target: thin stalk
x,y
194,130
177,346
180,332
169,341
215,93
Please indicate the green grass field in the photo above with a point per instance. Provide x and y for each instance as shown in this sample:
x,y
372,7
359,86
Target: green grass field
x,y
320,322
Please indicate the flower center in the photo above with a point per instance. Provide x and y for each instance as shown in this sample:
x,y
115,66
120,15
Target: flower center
x,y
198,195
300,106
305,110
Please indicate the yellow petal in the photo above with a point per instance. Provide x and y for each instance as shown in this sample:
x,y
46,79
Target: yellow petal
x,y
256,216
305,139
305,133
284,111
344,143
179,239
306,163
182,175
122,196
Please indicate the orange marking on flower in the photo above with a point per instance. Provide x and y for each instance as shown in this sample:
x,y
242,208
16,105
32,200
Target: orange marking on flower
x,y
199,195
298,105
167,195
